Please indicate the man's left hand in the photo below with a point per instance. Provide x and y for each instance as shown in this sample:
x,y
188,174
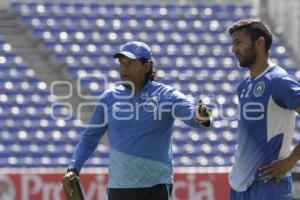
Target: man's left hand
x,y
276,170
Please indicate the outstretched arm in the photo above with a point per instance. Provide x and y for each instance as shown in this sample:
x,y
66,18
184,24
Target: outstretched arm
x,y
197,116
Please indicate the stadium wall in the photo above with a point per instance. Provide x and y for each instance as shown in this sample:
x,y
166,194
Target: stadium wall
x,y
47,186
44,185
285,16
4,4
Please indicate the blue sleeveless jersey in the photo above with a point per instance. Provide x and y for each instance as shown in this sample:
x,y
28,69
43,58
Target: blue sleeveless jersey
x,y
266,123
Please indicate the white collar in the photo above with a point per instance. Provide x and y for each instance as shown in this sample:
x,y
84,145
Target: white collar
x,y
270,65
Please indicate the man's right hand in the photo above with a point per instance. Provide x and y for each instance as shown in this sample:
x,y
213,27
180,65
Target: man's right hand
x,y
66,181
203,114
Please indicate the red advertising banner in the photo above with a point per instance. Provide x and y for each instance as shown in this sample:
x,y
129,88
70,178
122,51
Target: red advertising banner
x,y
41,186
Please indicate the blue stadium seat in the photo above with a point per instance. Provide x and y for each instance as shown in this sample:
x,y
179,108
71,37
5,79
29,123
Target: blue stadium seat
x,y
192,52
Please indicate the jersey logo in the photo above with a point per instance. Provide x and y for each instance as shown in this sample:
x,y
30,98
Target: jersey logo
x,y
151,104
259,89
137,50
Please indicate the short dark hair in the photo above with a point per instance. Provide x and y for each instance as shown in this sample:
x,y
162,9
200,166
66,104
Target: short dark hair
x,y
143,60
151,75
255,28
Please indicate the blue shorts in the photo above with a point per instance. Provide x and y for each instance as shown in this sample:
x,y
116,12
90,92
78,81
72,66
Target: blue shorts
x,y
260,190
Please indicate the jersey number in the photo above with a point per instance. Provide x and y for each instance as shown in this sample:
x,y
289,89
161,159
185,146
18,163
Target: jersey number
x,y
245,92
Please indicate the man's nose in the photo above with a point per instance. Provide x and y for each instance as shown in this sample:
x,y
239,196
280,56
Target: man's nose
x,y
123,67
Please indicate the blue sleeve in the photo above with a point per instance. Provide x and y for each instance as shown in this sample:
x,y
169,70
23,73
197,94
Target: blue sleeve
x,y
286,92
184,109
90,138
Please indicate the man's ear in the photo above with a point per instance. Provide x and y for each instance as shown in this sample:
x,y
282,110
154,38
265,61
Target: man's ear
x,y
260,42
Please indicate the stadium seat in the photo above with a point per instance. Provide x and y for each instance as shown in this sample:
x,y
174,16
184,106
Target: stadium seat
x,y
192,52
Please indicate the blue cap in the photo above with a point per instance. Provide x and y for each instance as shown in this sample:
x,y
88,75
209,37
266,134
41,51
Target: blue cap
x,y
135,50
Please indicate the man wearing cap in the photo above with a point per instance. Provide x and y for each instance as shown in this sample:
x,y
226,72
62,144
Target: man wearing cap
x,y
138,116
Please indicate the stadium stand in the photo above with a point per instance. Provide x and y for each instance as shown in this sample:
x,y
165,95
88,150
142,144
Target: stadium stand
x,y
191,51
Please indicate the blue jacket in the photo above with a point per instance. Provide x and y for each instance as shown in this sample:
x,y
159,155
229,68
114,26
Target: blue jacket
x,y
139,128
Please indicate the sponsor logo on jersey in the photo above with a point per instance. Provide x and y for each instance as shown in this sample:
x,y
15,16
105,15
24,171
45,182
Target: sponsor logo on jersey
x,y
259,89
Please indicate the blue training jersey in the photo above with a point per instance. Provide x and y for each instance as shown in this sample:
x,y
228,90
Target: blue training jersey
x,y
139,128
266,123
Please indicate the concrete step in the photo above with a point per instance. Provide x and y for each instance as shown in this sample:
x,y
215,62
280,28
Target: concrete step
x,y
84,116
10,30
17,37
4,14
26,48
42,66
31,57
18,45
31,49
61,90
44,69
7,22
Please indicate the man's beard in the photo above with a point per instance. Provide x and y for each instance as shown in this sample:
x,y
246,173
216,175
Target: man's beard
x,y
249,58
